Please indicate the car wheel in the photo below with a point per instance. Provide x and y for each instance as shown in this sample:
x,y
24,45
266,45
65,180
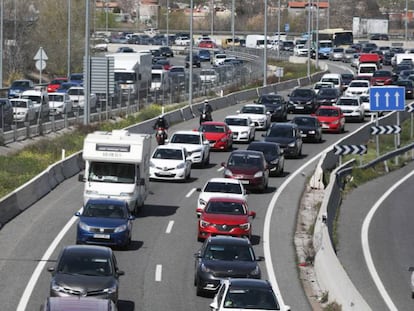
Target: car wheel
x,y
199,290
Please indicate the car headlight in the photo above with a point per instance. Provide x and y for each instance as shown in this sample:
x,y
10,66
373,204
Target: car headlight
x,y
57,288
120,228
204,268
204,223
258,174
335,122
196,150
181,165
84,226
110,290
202,202
292,144
228,173
291,102
255,271
224,139
245,226
244,133
275,161
309,103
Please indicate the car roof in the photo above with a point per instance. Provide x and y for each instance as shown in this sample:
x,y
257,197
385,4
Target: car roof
x,y
84,249
227,199
262,143
224,180
228,240
329,107
167,146
254,105
251,152
258,283
213,123
188,132
273,125
237,116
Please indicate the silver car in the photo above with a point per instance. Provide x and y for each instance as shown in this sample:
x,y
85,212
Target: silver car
x,y
337,54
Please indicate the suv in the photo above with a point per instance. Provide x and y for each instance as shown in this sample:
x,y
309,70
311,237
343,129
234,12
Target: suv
x,y
18,87
302,99
288,136
196,61
6,113
276,105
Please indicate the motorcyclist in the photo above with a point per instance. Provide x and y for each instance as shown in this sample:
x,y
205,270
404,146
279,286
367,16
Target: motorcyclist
x,y
161,122
206,112
207,107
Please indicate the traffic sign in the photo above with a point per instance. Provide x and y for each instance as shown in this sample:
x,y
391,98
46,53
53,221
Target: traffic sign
x,y
40,55
386,98
410,107
287,27
40,65
385,129
350,149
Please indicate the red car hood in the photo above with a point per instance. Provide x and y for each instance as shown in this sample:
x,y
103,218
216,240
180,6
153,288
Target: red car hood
x,y
224,219
214,136
327,119
243,170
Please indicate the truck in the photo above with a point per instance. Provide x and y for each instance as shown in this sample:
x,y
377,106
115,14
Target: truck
x,y
132,71
370,58
117,167
257,41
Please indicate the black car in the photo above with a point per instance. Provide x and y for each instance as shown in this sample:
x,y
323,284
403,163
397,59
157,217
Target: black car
x,y
408,86
6,113
273,154
346,79
276,105
288,136
166,51
302,100
223,257
196,61
387,58
327,96
310,128
86,270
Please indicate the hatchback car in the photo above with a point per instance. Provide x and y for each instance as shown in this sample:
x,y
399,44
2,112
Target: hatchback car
x,y
246,294
327,96
302,100
105,222
222,257
309,127
274,155
170,163
242,128
78,303
258,114
86,270
218,134
225,216
249,167
276,105
288,136
331,118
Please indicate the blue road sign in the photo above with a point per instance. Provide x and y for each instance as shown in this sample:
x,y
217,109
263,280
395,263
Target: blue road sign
x,y
287,27
386,98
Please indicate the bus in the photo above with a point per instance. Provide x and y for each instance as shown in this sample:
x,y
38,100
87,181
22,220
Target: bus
x,y
339,36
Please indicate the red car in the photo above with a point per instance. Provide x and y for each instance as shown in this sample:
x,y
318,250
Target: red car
x,y
218,134
55,84
381,77
225,216
331,118
209,44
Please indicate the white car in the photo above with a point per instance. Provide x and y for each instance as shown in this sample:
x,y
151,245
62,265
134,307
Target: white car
x,y
77,96
258,114
300,50
182,41
170,163
357,88
196,144
209,76
242,127
220,187
59,103
320,85
351,107
23,110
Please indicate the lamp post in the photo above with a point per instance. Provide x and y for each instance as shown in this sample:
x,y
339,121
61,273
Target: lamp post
x,y
265,46
317,36
86,80
328,15
233,12
309,36
212,17
190,80
168,23
278,30
1,42
69,35
106,16
406,21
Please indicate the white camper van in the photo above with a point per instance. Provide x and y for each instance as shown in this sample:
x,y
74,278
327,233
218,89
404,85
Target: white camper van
x,y
117,167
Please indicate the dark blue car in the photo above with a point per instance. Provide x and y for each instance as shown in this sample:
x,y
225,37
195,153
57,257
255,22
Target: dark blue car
x,y
18,87
204,55
105,222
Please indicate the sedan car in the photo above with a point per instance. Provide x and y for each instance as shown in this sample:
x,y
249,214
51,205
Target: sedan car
x,y
55,84
242,128
85,270
351,107
221,187
408,86
218,134
196,144
249,167
246,294
327,96
169,162
309,127
225,216
105,222
288,136
331,118
258,114
276,105
222,257
302,100
381,77
357,88
274,155
337,54
59,103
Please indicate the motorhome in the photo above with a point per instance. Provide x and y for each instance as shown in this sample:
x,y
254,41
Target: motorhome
x,y
117,167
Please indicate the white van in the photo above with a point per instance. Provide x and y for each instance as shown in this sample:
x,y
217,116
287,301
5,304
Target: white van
x,y
335,78
159,80
367,69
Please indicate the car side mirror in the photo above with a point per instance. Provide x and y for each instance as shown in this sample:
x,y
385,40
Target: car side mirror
x,y
197,255
51,269
237,111
120,272
198,189
131,217
252,214
223,164
81,178
214,306
77,214
260,258
141,182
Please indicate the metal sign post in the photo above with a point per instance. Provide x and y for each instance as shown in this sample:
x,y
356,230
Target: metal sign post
x,y
40,59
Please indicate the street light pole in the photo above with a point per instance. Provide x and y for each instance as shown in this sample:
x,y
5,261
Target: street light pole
x,y
278,30
69,34
309,36
233,12
86,78
265,46
212,17
328,15
190,80
1,42
317,36
406,21
168,23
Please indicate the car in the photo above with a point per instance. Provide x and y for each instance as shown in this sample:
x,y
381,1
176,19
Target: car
x,y
309,127
287,45
65,86
40,101
242,128
222,187
19,86
59,103
225,216
337,54
249,167
408,87
76,78
104,222
388,55
244,294
196,61
99,44
218,59
222,257
55,84
379,36
165,64
125,49
327,96
207,44
288,136
23,110
273,154
169,162
204,55
405,74
218,134
78,303
300,50
196,144
348,55
331,118
182,41
358,88
346,79
86,270
322,85
209,76
6,113
335,78
77,96
381,77
166,51
258,114
276,105
302,100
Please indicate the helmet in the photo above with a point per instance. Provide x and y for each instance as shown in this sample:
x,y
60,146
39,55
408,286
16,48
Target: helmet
x,y
161,117
206,101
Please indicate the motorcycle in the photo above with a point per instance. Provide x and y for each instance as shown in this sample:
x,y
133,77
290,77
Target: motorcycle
x,y
205,116
160,135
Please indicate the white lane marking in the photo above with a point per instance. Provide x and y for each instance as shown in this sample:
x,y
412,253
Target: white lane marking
x,y
365,244
190,193
40,266
169,226
220,169
158,273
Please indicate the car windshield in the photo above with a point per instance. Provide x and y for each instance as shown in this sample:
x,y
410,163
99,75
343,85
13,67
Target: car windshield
x,y
168,154
269,99
301,93
223,187
236,121
225,207
327,112
122,173
348,102
305,121
55,98
20,84
267,150
252,109
84,264
185,139
250,298
211,128
75,91
19,103
382,73
245,160
104,210
335,81
328,92
228,252
359,84
281,131
34,98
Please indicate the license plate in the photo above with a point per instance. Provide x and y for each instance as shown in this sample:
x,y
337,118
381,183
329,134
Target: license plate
x,y
300,107
303,135
325,126
244,181
163,173
102,236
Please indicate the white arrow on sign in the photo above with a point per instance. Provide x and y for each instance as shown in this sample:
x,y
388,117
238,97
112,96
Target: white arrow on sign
x,y
377,96
387,99
40,55
397,96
